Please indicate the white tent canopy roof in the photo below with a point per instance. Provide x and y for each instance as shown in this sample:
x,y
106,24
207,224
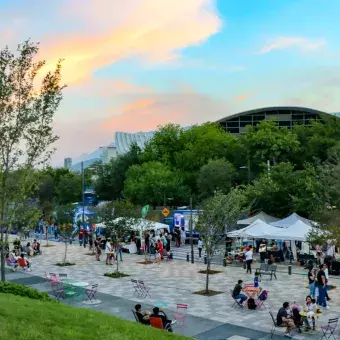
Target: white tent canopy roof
x,y
260,229
142,224
290,220
260,216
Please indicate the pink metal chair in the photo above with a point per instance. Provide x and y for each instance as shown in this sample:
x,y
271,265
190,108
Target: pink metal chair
x,y
181,313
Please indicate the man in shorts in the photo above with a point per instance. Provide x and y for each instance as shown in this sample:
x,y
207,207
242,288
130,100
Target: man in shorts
x,y
283,319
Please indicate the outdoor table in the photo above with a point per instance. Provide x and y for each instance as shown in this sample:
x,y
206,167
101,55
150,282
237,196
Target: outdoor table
x,y
251,291
161,304
303,314
80,287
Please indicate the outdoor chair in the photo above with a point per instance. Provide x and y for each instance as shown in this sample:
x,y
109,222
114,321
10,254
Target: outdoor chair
x,y
261,300
266,269
181,314
144,289
12,264
137,288
274,325
135,315
22,264
57,290
329,329
236,303
158,323
91,292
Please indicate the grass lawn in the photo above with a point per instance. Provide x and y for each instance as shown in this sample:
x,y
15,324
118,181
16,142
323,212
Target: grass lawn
x,y
27,319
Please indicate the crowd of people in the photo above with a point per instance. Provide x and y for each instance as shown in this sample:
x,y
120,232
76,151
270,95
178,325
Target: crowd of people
x,y
18,256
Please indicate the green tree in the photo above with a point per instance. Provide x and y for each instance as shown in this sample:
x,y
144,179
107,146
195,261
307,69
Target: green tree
x,y
69,189
218,216
215,175
26,122
267,141
109,184
284,191
119,217
150,182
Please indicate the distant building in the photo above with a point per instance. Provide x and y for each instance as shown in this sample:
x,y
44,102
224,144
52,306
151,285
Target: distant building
x,y
108,152
68,163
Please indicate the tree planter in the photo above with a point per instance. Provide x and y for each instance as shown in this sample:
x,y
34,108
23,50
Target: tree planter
x,y
116,275
145,262
211,272
48,245
66,264
207,293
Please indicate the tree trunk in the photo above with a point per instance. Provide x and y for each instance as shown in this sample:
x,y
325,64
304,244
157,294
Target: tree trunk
x,y
65,254
117,266
208,271
3,274
2,225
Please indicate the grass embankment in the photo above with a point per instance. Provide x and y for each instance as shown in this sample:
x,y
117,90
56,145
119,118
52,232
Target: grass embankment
x,y
22,318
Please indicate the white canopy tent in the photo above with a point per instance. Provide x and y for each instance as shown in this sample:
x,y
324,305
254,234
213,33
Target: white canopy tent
x,y
260,229
142,224
260,216
290,220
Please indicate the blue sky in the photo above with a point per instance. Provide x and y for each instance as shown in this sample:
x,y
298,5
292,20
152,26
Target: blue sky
x,y
132,65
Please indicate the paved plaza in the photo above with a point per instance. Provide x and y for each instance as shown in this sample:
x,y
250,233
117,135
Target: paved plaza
x,y
174,282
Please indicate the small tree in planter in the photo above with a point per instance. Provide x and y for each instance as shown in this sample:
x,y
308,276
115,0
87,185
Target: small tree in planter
x,y
64,218
218,215
119,218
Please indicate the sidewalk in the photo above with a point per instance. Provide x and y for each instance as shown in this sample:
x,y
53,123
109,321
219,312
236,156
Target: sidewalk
x,y
171,283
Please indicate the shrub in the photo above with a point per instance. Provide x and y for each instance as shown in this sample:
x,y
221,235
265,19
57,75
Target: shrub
x,y
21,290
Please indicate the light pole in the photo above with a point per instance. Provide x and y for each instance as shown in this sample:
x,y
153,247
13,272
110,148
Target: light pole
x,y
83,199
191,234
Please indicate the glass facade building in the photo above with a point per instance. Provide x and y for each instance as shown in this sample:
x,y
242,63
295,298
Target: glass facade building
x,y
284,116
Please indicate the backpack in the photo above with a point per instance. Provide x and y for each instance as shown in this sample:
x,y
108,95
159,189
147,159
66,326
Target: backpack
x,y
263,296
251,303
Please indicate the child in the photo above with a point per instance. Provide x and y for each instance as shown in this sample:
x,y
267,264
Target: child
x,y
256,280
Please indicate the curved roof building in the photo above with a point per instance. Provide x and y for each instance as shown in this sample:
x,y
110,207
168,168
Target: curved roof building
x,y
124,140
286,116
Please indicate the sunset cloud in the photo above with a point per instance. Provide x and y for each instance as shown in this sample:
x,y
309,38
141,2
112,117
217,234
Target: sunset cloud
x,y
302,43
152,30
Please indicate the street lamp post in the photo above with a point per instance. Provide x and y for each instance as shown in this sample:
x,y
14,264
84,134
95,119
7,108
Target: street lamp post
x,y
191,234
83,199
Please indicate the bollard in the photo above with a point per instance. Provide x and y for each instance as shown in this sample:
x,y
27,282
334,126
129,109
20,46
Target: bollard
x,y
289,270
205,259
224,262
187,257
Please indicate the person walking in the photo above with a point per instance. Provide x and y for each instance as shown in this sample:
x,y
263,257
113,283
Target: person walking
x,y
119,251
200,247
249,258
321,280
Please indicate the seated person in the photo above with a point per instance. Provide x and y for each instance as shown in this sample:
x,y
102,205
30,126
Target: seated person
x,y
283,319
36,247
12,260
310,308
166,322
143,318
29,249
237,295
23,262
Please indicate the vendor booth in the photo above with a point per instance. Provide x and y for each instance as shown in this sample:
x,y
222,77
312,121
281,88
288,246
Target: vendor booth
x,y
260,216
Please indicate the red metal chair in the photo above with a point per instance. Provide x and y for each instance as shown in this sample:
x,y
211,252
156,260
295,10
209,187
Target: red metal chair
x,y
181,313
156,322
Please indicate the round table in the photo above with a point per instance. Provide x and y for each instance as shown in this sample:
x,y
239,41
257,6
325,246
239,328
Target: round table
x,y
80,284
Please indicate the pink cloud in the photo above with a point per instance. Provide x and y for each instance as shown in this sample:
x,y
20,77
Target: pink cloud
x,y
151,29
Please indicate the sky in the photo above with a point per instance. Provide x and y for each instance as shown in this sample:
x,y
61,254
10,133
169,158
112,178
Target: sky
x,y
133,65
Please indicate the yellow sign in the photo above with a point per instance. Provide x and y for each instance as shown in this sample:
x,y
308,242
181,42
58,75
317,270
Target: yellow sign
x,y
165,212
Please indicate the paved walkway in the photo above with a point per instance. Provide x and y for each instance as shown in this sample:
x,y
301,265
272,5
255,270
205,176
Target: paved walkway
x,y
171,283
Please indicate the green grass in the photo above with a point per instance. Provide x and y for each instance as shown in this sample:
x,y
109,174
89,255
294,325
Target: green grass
x,y
22,318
